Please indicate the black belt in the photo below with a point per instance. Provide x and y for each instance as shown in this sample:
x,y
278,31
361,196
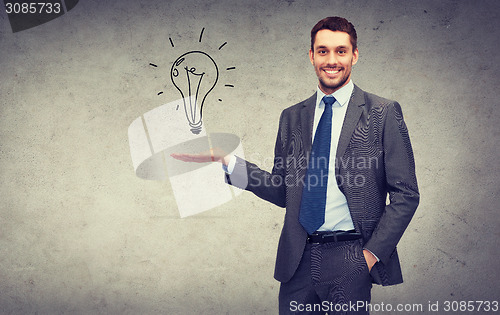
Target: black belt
x,y
335,236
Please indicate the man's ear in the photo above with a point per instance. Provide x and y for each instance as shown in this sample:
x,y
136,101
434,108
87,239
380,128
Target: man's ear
x,y
311,56
355,56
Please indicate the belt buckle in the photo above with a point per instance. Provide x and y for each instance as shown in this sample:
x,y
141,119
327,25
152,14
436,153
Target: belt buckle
x,y
312,236
334,234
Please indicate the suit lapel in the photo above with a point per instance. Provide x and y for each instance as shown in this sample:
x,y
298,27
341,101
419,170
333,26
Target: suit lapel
x,y
307,117
354,110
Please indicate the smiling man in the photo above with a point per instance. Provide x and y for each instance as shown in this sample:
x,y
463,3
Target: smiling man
x,y
332,54
338,155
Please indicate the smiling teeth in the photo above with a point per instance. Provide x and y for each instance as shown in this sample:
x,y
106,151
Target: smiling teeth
x,y
332,71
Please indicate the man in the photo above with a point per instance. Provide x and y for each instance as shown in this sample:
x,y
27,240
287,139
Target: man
x,y
338,155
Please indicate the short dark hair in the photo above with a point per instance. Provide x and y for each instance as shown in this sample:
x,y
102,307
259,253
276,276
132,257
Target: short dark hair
x,y
335,23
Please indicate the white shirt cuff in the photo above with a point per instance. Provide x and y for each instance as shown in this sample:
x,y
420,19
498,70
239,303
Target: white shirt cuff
x,y
229,168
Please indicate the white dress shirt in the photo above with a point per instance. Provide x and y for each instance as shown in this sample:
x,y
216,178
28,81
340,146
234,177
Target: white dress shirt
x,y
337,215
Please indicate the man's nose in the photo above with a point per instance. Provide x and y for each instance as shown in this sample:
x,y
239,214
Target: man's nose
x,y
332,58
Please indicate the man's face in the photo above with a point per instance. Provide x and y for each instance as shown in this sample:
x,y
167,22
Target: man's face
x,y
332,59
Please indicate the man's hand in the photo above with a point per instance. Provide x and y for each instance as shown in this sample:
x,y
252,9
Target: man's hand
x,y
370,259
212,155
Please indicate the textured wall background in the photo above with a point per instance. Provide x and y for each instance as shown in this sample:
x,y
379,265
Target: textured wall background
x,y
81,234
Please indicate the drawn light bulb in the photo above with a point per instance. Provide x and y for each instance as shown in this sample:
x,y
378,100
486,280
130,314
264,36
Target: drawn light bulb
x,y
194,74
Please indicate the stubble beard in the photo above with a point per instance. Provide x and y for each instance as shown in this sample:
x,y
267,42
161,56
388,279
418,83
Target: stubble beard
x,y
334,86
325,85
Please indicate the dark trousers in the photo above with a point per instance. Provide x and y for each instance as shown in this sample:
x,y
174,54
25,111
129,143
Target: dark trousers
x,y
332,278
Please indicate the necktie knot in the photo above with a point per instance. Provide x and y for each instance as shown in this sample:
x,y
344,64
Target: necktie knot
x,y
328,100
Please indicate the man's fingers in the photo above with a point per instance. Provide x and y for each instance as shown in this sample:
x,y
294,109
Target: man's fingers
x,y
212,155
198,158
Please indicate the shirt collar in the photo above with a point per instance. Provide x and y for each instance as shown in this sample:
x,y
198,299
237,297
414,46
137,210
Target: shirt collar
x,y
342,95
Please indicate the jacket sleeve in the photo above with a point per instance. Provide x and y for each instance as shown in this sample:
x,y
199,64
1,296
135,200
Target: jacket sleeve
x,y
401,183
268,186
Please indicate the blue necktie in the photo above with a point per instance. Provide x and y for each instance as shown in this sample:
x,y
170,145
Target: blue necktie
x,y
312,207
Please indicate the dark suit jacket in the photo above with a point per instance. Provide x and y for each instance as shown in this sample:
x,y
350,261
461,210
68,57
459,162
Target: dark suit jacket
x,y
374,159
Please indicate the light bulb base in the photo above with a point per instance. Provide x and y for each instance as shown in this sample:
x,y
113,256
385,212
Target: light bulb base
x,y
196,130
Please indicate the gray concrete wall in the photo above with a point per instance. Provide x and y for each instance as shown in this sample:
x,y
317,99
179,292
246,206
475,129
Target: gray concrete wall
x,y
81,234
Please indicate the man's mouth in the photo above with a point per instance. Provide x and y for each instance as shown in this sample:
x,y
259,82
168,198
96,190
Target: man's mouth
x,y
332,71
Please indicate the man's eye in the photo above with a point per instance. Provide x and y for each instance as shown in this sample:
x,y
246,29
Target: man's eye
x,y
342,52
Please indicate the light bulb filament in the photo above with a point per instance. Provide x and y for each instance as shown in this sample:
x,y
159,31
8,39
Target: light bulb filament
x,y
193,101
